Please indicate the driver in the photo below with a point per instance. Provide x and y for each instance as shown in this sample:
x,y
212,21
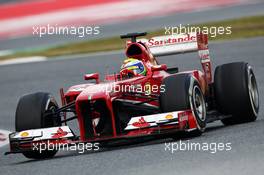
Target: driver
x,y
133,67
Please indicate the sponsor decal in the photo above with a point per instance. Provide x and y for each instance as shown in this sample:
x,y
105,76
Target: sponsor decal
x,y
141,123
44,133
183,117
24,134
169,40
147,88
154,120
204,56
60,133
169,117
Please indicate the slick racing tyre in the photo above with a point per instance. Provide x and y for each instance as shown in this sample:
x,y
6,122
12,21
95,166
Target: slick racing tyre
x,y
30,114
183,92
236,92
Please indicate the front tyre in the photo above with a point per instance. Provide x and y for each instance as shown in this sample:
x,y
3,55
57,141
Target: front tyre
x,y
183,92
236,92
30,114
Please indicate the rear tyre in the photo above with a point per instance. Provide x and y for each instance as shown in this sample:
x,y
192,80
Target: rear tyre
x,y
30,114
236,92
183,92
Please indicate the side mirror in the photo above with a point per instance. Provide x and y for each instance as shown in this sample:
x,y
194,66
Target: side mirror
x,y
159,67
93,76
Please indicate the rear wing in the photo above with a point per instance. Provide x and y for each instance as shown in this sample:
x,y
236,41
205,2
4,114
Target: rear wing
x,y
171,44
182,43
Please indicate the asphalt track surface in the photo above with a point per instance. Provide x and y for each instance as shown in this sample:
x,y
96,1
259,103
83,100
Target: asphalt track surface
x,y
247,140
144,24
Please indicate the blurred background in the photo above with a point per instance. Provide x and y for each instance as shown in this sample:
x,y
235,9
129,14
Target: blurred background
x,y
18,17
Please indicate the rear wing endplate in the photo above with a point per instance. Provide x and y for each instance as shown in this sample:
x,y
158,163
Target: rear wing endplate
x,y
182,43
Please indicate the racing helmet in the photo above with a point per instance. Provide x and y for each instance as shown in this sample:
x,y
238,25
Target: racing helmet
x,y
133,66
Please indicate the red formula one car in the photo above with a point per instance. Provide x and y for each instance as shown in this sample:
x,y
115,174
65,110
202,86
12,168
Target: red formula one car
x,y
130,105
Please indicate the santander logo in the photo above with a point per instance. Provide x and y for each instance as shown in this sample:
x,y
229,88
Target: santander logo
x,y
141,123
170,39
60,133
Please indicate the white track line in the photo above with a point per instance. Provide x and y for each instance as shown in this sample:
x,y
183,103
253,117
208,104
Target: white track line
x,y
4,137
23,60
5,52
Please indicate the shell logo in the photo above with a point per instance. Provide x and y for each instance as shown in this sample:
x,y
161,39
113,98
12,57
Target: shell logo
x,y
169,116
24,134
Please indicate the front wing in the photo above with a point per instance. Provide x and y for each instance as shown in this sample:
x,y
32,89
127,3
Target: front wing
x,y
155,124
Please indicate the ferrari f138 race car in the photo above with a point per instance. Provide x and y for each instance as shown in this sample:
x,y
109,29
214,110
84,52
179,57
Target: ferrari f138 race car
x,y
129,104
